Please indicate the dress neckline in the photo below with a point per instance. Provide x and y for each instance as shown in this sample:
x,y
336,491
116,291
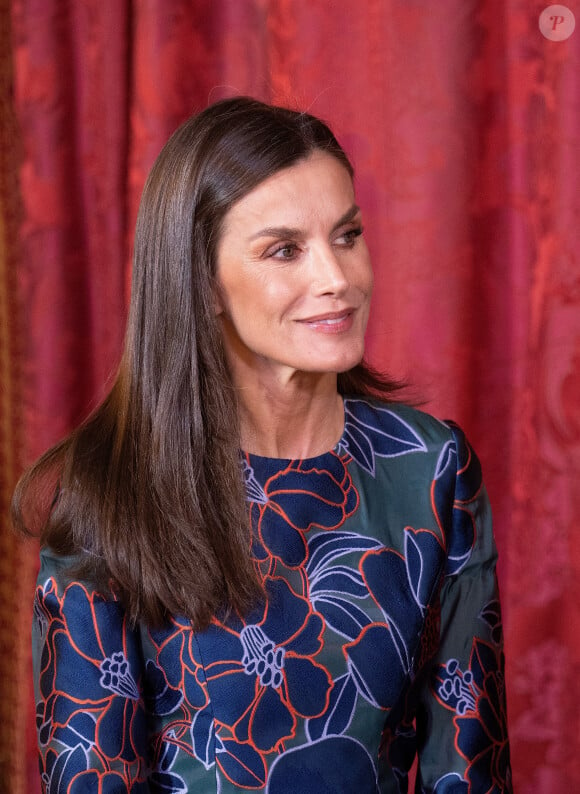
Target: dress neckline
x,y
252,456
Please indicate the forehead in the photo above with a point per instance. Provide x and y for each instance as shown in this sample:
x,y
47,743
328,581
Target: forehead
x,y
318,185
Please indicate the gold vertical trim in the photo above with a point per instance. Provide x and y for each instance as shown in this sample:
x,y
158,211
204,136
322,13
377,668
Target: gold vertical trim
x,y
17,560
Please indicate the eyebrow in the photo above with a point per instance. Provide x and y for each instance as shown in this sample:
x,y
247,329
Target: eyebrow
x,y
292,233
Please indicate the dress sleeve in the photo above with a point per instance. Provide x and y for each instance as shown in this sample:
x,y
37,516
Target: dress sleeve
x,y
461,714
87,669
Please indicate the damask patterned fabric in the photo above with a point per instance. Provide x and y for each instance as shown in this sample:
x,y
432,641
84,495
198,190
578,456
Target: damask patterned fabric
x,y
381,638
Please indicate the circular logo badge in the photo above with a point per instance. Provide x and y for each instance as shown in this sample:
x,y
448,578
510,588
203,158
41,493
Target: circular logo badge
x,y
557,23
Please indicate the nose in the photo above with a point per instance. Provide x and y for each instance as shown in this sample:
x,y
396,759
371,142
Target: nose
x,y
328,275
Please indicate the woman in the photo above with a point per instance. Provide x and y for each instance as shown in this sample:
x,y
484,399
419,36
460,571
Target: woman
x,y
306,614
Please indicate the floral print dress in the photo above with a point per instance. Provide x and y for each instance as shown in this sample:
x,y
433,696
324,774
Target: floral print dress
x,y
380,640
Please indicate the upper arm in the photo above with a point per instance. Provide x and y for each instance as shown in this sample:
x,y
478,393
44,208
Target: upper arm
x,y
461,719
87,671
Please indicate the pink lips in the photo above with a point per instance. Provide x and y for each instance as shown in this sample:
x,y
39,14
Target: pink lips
x,y
331,322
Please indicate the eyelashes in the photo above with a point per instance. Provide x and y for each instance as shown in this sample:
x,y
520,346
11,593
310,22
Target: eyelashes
x,y
351,235
288,251
285,252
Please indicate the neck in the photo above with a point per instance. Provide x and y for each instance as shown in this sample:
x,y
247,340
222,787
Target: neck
x,y
300,418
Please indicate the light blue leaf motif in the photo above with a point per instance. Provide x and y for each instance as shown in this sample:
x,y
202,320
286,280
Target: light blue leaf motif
x,y
358,445
458,473
344,618
325,547
241,763
159,697
331,585
203,737
254,491
469,476
447,462
461,540
168,755
338,716
71,762
383,655
162,778
400,642
80,730
339,579
364,441
423,555
40,615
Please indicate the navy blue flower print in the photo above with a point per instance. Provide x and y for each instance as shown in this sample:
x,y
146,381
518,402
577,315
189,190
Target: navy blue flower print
x,y
159,697
459,472
163,778
491,614
175,658
385,654
477,696
378,639
313,767
334,585
297,498
262,675
372,431
451,784
173,687
89,696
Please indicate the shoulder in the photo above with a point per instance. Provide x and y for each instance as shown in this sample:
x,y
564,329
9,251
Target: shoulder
x,y
399,421
52,563
410,444
59,568
79,628
61,595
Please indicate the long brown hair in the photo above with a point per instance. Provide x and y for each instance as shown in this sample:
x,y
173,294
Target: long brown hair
x,y
149,491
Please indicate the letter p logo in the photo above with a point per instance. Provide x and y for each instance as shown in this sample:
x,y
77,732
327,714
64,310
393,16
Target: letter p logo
x,y
557,23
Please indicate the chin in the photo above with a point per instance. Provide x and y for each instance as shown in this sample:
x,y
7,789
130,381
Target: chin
x,y
350,358
339,364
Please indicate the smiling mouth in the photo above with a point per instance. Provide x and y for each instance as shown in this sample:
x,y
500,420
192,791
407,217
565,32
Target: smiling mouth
x,y
331,323
334,318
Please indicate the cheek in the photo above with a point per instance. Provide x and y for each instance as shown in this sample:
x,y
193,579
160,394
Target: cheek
x,y
233,292
273,293
370,280
365,275
367,279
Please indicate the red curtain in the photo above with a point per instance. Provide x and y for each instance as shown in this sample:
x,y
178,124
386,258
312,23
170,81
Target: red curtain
x,y
463,122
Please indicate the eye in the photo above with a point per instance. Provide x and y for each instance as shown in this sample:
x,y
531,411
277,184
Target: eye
x,y
286,252
348,238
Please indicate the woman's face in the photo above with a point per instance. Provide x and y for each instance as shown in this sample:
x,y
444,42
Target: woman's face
x,y
294,274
